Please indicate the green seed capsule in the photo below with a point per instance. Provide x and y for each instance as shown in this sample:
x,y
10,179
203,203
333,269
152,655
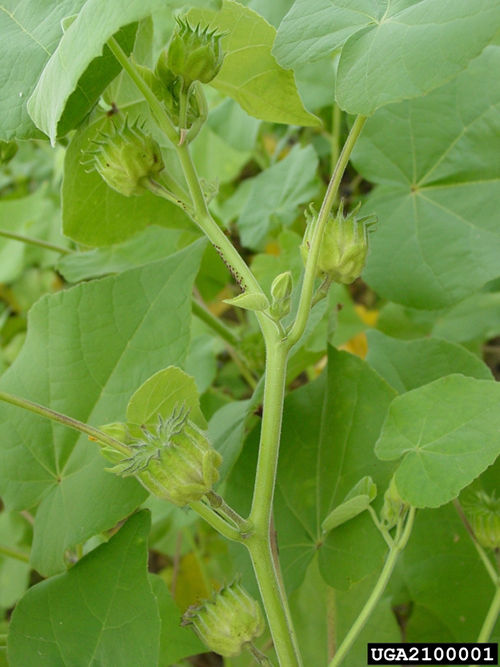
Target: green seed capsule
x,y
228,621
195,54
176,462
344,247
126,158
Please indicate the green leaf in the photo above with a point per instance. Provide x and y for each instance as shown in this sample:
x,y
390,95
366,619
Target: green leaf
x,y
276,195
14,573
226,431
329,430
357,500
439,190
160,394
440,557
232,124
410,364
446,432
313,29
176,642
249,301
477,317
332,615
250,73
82,42
33,30
93,213
148,246
33,216
102,611
412,50
87,350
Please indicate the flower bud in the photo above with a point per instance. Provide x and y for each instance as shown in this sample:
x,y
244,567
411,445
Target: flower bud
x,y
393,506
281,292
483,512
127,158
176,462
195,54
228,621
344,247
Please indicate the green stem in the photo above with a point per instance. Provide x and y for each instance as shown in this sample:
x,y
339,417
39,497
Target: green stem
x,y
230,256
491,618
3,640
14,553
161,117
335,140
259,544
214,323
217,522
41,410
31,241
306,295
227,512
376,594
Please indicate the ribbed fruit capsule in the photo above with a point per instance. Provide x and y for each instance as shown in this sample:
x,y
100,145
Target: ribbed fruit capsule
x,y
126,158
176,462
483,512
344,247
193,53
228,621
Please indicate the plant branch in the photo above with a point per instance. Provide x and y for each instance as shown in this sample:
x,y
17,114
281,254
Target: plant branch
x,y
160,116
42,411
202,313
226,511
398,546
36,242
14,553
306,295
491,617
216,521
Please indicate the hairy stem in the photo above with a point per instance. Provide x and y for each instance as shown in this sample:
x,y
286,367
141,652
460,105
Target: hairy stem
x,y
398,546
307,292
37,242
259,544
93,433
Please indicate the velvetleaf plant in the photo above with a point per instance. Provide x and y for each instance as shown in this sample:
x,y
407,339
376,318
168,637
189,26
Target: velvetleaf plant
x,y
309,458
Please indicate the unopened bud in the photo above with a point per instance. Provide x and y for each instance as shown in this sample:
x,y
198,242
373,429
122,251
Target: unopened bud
x,y
176,462
126,158
228,621
483,512
281,293
195,54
